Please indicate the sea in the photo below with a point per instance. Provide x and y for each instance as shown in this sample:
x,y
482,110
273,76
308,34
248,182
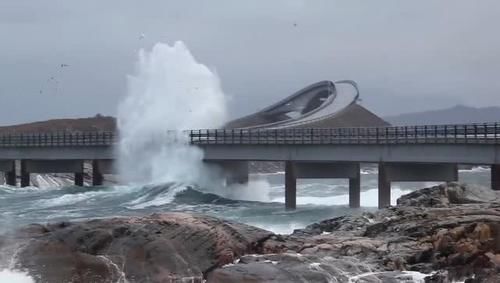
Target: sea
x,y
259,204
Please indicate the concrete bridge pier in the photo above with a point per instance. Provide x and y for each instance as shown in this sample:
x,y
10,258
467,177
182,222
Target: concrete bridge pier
x,y
355,190
290,186
495,177
25,175
411,172
235,172
97,176
99,168
9,169
384,187
79,179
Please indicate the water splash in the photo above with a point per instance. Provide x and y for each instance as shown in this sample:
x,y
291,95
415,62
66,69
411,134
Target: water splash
x,y
13,276
170,91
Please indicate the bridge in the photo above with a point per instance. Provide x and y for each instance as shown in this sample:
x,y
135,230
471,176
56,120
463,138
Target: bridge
x,y
410,153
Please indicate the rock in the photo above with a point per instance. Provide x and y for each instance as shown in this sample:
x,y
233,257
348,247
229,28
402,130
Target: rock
x,y
289,267
449,194
451,229
157,248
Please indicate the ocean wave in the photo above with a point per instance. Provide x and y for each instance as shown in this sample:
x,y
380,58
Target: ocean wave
x,y
192,196
399,276
368,198
6,189
156,195
269,173
477,169
73,195
66,199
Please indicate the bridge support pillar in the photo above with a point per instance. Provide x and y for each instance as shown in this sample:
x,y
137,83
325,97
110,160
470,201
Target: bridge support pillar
x,y
11,178
355,191
495,177
290,186
97,176
236,172
25,174
9,169
79,179
384,187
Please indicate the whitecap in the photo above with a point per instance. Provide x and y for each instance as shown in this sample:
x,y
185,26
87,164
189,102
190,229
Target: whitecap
x,y
164,198
368,198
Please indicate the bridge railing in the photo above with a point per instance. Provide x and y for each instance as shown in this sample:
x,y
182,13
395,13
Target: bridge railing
x,y
487,133
58,139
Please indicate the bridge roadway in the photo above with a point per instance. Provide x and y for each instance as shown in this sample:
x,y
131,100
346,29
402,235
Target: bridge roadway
x,y
413,153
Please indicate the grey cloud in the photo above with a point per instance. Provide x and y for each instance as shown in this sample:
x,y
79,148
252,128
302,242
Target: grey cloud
x,y
406,55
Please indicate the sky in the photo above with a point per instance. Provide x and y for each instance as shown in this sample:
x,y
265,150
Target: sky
x,y
406,56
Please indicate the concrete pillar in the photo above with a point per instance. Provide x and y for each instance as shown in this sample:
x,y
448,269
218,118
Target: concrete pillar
x,y
236,172
355,191
25,175
10,176
79,179
97,177
9,169
455,171
384,187
495,177
290,186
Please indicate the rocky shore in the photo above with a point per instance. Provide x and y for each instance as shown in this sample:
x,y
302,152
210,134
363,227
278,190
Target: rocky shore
x,y
449,232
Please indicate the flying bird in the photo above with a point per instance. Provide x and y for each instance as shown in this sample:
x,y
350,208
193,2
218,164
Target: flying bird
x,y
142,36
64,65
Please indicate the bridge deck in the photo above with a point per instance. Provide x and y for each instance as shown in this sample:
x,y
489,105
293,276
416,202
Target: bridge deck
x,y
487,133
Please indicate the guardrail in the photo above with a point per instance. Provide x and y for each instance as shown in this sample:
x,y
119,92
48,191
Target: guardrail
x,y
487,133
59,139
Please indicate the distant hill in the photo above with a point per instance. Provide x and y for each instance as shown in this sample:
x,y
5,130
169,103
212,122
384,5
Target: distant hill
x,y
97,123
455,115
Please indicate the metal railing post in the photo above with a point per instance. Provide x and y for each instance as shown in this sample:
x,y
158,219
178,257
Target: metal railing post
x,y
485,132
496,132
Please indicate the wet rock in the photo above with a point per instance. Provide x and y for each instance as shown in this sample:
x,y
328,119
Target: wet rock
x,y
449,232
159,248
450,228
448,194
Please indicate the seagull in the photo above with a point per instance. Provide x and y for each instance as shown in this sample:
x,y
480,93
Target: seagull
x,y
64,65
142,36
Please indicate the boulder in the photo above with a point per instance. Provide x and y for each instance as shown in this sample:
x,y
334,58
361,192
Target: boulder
x,y
168,247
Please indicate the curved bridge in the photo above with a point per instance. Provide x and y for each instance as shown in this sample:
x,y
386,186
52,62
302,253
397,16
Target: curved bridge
x,y
314,104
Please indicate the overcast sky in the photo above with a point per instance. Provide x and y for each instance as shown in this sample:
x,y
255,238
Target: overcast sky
x,y
405,55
